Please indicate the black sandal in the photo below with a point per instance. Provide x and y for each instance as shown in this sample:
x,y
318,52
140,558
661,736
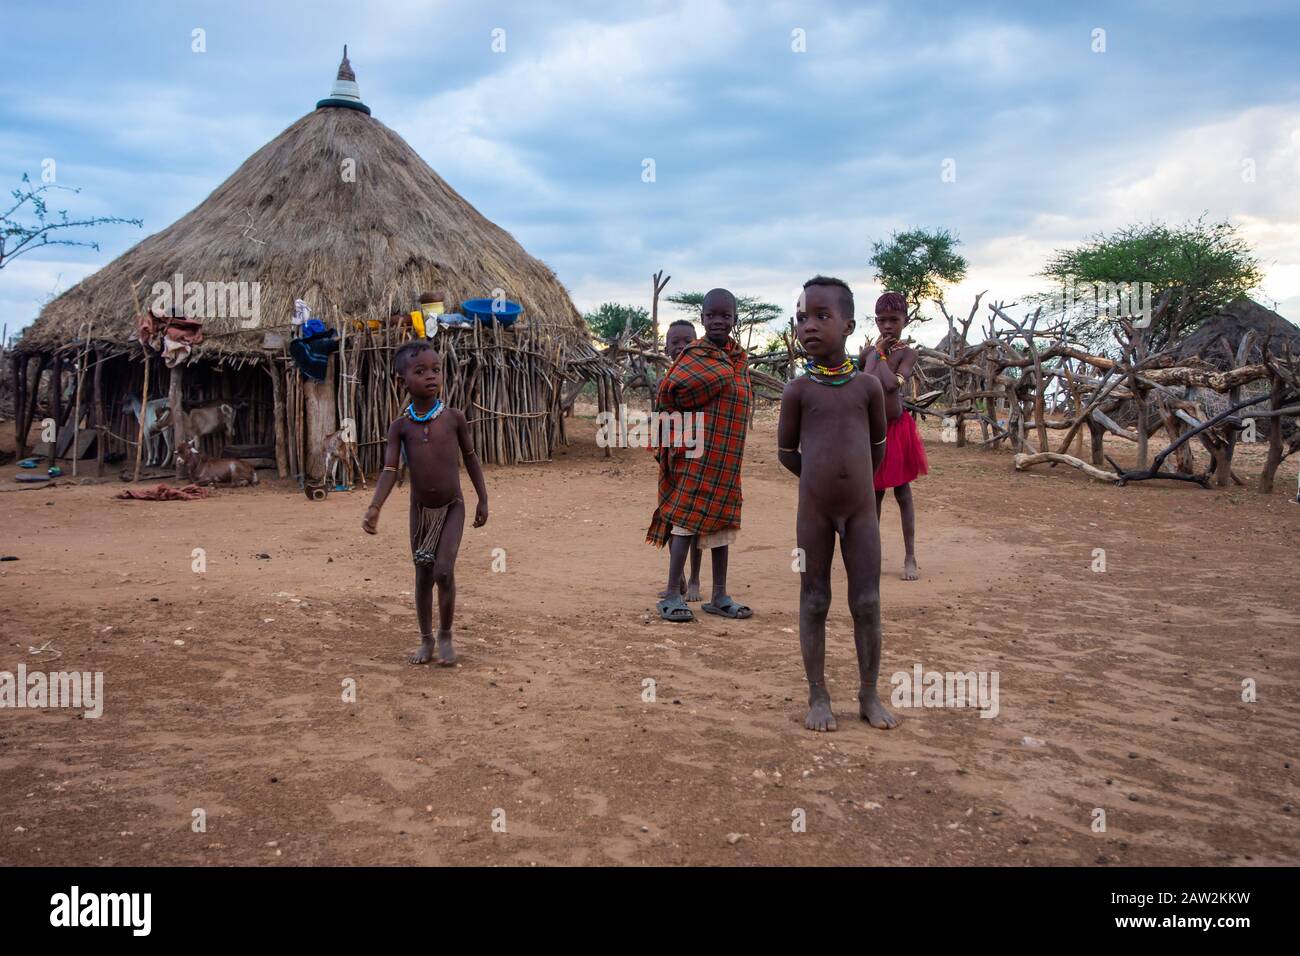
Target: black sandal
x,y
731,609
674,609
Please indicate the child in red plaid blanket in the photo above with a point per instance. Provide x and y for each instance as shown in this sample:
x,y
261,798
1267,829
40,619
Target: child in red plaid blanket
x,y
699,502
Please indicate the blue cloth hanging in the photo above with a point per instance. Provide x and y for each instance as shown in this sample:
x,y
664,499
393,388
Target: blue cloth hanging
x,y
311,353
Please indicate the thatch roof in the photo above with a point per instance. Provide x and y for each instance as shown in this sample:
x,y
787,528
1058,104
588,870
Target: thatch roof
x,y
1230,325
290,220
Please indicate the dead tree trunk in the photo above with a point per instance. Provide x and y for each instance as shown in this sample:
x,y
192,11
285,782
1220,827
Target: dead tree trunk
x,y
657,283
1275,401
1097,441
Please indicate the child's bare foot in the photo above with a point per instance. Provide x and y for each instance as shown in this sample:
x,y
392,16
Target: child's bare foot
x,y
681,589
424,653
446,653
910,571
693,591
819,716
873,711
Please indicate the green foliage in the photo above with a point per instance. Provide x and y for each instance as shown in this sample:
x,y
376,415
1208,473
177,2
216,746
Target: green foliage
x,y
753,315
918,264
608,321
1194,270
17,237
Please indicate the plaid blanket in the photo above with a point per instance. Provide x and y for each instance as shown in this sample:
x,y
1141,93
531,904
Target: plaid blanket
x,y
703,493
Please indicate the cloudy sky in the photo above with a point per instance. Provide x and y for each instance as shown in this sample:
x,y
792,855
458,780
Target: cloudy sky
x,y
785,137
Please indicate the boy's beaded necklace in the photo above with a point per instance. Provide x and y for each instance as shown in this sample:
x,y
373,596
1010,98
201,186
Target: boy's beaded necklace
x,y
826,375
427,417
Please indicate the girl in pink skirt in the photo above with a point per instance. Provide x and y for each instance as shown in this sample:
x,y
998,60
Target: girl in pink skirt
x,y
892,362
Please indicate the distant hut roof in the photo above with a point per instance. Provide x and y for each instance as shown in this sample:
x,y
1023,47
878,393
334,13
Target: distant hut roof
x,y
1230,326
337,210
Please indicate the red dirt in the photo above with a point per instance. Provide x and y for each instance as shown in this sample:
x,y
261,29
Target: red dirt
x,y
1131,678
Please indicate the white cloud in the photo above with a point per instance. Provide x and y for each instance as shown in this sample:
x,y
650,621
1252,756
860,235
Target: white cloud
x,y
1200,170
585,73
27,283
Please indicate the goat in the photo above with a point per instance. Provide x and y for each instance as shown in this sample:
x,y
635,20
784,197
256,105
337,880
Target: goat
x,y
210,471
156,434
341,454
205,420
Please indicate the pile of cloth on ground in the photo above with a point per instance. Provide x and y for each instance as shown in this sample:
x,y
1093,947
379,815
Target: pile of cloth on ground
x,y
165,493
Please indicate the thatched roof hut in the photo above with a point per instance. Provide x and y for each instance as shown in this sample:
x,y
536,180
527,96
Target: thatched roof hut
x,y
1216,341
340,212
1229,326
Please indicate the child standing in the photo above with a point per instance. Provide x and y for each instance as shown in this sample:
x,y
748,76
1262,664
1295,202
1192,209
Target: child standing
x,y
681,333
832,430
892,362
433,438
710,379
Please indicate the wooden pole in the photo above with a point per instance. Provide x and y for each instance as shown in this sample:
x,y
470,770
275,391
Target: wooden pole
x,y
144,403
281,436
97,389
56,402
144,391
20,403
321,416
76,407
175,392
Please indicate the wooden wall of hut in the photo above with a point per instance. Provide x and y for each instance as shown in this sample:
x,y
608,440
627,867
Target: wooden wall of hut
x,y
244,385
507,381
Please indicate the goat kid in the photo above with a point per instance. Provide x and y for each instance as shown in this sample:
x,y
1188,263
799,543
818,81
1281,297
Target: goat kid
x,y
210,471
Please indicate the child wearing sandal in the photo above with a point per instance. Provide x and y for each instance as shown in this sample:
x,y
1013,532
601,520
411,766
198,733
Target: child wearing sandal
x,y
681,333
701,507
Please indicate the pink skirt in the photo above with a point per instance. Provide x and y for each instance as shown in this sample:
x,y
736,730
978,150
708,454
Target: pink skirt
x,y
905,459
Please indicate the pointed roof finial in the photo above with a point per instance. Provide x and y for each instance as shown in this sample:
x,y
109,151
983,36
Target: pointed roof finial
x,y
345,91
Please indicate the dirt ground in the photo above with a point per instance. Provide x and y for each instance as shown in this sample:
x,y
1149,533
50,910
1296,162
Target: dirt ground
x,y
224,688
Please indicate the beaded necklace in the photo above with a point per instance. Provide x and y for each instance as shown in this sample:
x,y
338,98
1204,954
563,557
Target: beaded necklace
x,y
427,417
838,375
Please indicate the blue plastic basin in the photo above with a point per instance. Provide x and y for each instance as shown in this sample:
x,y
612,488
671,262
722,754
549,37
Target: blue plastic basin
x,y
488,310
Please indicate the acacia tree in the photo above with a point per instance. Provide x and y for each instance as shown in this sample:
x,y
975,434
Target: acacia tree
x,y
609,321
18,237
1182,276
1194,270
753,315
918,264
